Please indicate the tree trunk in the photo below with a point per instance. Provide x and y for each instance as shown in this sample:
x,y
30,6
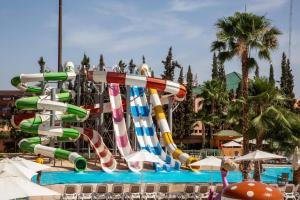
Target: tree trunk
x,y
211,129
258,165
245,122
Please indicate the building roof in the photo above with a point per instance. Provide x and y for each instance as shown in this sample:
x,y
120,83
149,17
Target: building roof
x,y
232,83
229,133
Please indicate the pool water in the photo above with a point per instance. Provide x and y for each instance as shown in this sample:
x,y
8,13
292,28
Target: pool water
x,y
182,176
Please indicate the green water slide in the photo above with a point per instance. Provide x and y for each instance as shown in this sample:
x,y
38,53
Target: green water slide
x,y
40,124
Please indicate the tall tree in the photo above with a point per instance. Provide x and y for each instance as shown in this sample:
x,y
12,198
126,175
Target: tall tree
x,y
179,113
289,81
143,60
256,71
169,65
42,64
214,71
131,66
287,78
221,72
283,73
86,62
236,35
122,66
101,63
86,87
271,75
188,103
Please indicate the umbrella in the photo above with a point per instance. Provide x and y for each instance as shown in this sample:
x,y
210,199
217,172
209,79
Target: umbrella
x,y
12,187
143,156
208,163
8,166
29,164
258,156
231,144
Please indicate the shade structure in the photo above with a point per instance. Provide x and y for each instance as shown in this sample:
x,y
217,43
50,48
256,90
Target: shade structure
x,y
258,155
208,163
231,144
12,187
239,140
143,156
29,164
8,166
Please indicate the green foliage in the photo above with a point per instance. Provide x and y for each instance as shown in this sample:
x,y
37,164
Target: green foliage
x,y
143,60
188,103
289,81
215,73
257,71
131,67
287,78
236,36
214,107
179,114
101,63
122,66
283,72
42,64
169,65
85,62
271,75
271,119
221,72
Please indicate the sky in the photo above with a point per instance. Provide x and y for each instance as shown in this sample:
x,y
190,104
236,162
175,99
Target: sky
x,y
125,29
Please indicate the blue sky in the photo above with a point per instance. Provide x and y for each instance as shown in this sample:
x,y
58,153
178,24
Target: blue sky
x,y
129,29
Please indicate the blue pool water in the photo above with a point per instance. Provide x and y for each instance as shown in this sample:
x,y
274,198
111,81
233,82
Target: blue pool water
x,y
183,176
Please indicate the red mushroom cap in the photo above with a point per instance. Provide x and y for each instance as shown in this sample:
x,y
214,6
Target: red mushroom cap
x,y
251,190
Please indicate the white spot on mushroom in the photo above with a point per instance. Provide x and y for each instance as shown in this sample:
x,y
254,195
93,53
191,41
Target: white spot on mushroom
x,y
233,187
269,189
251,184
250,193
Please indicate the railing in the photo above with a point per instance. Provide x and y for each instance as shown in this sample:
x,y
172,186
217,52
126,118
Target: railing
x,y
202,153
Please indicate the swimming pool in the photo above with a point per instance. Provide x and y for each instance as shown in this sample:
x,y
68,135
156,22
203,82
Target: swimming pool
x,y
182,176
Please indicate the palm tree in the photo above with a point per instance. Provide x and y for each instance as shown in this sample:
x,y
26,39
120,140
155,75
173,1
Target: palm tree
x,y
237,35
215,102
270,114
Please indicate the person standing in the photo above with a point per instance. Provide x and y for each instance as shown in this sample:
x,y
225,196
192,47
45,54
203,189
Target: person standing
x,y
38,177
39,160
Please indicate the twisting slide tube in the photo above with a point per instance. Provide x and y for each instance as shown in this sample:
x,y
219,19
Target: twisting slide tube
x,y
120,126
145,129
40,124
164,127
108,163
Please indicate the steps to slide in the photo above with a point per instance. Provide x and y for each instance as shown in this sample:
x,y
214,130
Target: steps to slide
x,y
145,130
120,129
40,123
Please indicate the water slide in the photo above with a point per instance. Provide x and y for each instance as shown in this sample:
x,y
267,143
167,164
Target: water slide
x,y
120,129
145,129
40,123
154,85
163,124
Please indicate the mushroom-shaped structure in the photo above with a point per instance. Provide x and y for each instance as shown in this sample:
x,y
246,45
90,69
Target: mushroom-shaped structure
x,y
253,190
